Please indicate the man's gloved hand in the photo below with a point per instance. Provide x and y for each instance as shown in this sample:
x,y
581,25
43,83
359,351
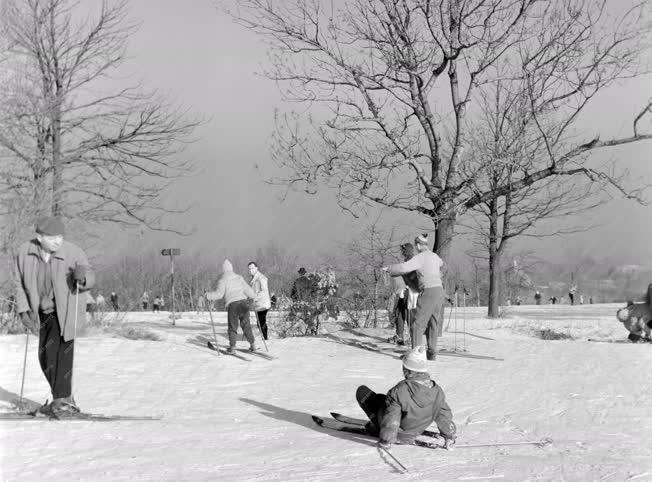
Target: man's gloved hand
x,y
28,322
449,443
79,274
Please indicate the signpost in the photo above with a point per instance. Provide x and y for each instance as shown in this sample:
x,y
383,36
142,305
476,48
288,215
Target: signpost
x,y
172,252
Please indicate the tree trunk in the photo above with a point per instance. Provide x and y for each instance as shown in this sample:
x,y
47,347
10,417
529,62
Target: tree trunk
x,y
444,232
493,309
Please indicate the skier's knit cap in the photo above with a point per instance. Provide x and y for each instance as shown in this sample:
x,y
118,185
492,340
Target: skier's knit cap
x,y
422,239
415,360
50,226
227,266
302,270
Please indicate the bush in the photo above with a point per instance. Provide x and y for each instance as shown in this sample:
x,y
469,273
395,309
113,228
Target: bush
x,y
132,333
548,334
10,324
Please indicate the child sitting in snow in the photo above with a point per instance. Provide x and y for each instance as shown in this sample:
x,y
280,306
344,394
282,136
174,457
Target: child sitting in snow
x,y
637,318
411,405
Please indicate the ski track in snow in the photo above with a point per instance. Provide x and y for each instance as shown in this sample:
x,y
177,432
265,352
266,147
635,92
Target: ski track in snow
x,y
228,419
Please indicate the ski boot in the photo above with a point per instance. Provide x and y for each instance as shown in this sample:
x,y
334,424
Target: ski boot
x,y
64,408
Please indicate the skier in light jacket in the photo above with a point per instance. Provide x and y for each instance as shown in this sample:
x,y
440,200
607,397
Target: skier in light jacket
x,y
262,301
236,292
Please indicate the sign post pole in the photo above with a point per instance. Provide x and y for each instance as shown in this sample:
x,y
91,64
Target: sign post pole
x,y
172,252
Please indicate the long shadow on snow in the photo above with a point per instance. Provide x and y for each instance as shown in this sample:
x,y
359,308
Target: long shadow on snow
x,y
305,420
470,334
163,327
353,331
361,345
203,339
14,399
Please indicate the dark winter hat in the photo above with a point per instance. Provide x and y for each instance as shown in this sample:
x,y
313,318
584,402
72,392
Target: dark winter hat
x,y
302,270
50,226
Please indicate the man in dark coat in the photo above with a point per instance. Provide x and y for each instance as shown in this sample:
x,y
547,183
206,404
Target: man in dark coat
x,y
51,277
302,287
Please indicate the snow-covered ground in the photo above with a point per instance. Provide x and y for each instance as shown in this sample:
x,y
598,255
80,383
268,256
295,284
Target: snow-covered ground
x,y
228,419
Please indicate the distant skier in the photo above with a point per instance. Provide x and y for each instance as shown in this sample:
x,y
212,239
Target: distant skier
x,y
51,277
428,317
236,292
411,405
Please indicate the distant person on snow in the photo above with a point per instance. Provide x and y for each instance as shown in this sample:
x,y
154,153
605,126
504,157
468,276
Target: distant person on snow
x,y
145,300
571,294
429,312
99,302
262,302
201,304
51,278
537,298
236,292
411,405
156,304
114,301
302,287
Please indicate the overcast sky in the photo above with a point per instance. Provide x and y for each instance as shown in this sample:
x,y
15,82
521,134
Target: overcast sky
x,y
199,57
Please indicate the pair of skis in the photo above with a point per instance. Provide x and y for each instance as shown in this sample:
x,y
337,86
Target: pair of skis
x,y
79,416
357,426
222,351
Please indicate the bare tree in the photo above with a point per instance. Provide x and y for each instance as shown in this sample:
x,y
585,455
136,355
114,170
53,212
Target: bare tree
x,y
395,82
506,142
72,144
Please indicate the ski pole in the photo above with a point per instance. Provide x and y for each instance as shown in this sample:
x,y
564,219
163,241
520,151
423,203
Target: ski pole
x,y
450,314
394,458
74,337
464,320
455,332
262,337
22,383
539,443
210,313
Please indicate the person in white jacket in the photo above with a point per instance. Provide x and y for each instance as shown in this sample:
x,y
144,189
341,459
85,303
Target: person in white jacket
x,y
262,301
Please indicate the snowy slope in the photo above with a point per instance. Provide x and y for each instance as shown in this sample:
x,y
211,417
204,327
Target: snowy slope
x,y
228,419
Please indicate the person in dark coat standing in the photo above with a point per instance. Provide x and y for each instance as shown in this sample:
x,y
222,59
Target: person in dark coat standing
x,y
51,278
302,287
114,301
411,405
